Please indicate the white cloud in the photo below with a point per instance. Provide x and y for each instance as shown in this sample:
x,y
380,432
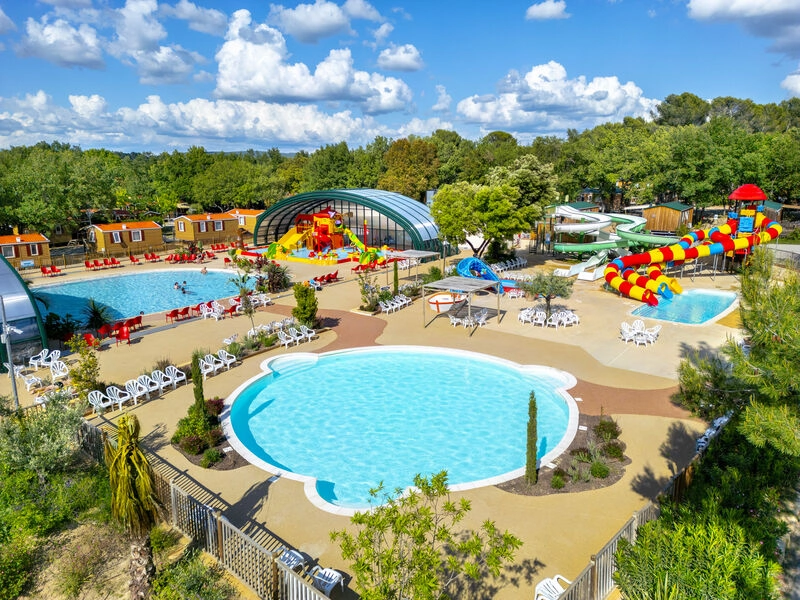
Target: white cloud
x,y
400,58
549,9
253,66
88,106
6,24
62,44
776,20
422,127
168,64
381,33
361,9
545,99
204,20
309,23
792,84
137,28
69,3
443,99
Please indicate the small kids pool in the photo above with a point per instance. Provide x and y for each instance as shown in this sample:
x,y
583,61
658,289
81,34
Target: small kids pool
x,y
692,307
345,421
127,295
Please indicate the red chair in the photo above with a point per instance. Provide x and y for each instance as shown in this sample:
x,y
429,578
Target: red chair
x,y
184,313
90,340
106,263
170,258
227,261
134,260
115,262
98,264
45,272
137,322
231,310
124,334
172,315
54,270
104,331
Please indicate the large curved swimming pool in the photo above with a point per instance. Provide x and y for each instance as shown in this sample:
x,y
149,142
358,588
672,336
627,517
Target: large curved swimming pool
x,y
128,294
345,421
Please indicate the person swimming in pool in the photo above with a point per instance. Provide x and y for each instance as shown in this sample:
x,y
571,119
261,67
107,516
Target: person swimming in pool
x,y
203,271
177,286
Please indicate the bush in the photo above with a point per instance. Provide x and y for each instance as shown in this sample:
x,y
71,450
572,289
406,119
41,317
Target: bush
x,y
193,444
214,406
613,449
559,479
16,566
581,455
162,539
190,577
600,470
607,429
211,457
305,312
214,435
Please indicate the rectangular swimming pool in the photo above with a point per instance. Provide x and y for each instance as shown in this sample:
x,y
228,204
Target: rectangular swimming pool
x,y
692,307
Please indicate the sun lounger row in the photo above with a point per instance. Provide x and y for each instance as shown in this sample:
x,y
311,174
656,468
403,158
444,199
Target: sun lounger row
x,y
514,263
106,263
395,303
144,386
327,278
273,327
638,333
51,271
560,318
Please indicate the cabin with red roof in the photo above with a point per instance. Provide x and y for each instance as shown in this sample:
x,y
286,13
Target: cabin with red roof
x,y
26,250
208,228
124,239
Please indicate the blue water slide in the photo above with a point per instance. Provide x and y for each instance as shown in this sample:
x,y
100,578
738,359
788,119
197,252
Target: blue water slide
x,y
477,269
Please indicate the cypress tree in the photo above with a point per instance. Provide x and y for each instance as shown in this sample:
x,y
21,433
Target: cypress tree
x,y
531,473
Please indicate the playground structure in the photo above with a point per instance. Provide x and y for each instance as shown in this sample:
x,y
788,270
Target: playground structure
x,y
746,227
320,238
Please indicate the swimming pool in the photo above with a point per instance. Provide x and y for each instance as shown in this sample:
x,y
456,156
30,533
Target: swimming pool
x,y
126,295
692,307
345,421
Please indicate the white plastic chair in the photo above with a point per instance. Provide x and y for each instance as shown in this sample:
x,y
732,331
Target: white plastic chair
x,y
149,384
163,380
136,390
326,579
31,381
551,588
206,368
59,370
176,374
285,339
99,401
50,358
309,333
296,335
117,395
36,361
454,321
226,357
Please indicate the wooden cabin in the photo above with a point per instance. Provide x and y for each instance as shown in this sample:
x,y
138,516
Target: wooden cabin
x,y
124,239
668,217
773,210
207,228
246,219
26,250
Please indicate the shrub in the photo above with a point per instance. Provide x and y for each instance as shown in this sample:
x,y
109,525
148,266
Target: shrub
x,y
214,406
305,312
190,577
613,449
193,444
211,457
161,364
559,479
600,470
81,561
236,348
581,455
607,429
16,566
214,435
163,539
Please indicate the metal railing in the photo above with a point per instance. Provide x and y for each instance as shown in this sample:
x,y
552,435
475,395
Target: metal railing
x,y
250,562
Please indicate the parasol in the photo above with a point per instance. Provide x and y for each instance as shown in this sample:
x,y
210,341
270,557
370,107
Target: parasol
x,y
748,191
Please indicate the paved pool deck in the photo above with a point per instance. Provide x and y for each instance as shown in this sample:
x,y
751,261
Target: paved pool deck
x,y
560,531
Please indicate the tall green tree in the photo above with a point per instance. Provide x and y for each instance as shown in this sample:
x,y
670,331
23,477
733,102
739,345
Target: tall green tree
x,y
531,471
368,164
411,168
133,501
549,287
327,168
411,546
682,109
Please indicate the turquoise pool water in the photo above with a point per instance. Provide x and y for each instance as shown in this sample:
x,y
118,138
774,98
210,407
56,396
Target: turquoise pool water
x,y
353,419
128,294
693,307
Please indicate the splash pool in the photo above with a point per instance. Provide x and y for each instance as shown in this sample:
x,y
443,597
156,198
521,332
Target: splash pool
x,y
692,307
345,421
127,295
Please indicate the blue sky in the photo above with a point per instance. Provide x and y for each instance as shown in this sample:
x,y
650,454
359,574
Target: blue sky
x,y
143,75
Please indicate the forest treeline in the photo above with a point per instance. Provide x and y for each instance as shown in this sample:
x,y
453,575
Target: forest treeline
x,y
691,150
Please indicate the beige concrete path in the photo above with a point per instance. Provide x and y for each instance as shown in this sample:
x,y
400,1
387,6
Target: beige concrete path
x,y
560,531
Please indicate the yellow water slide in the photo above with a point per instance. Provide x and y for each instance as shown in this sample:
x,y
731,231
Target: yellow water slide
x,y
293,238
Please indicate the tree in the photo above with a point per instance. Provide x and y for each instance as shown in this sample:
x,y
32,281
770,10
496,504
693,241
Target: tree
x,y
242,283
531,472
683,109
96,315
490,212
327,168
133,501
549,287
84,375
368,164
411,168
305,310
408,547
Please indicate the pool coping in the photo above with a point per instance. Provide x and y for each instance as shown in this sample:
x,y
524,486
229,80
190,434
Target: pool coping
x,y
310,483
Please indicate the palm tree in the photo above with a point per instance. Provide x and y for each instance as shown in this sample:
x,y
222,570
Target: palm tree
x,y
133,501
96,315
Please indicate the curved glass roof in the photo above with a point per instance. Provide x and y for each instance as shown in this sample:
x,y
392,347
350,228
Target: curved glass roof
x,y
414,217
22,313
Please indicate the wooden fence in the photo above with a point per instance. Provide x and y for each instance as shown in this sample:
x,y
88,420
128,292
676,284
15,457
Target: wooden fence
x,y
254,565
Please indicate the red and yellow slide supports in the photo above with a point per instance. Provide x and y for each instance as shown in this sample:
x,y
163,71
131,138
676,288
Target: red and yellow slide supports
x,y
621,273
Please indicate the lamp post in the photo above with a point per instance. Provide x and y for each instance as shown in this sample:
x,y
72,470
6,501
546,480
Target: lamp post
x,y
6,338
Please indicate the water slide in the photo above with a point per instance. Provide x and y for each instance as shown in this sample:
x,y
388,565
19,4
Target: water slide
x,y
292,238
628,231
621,273
476,268
355,241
